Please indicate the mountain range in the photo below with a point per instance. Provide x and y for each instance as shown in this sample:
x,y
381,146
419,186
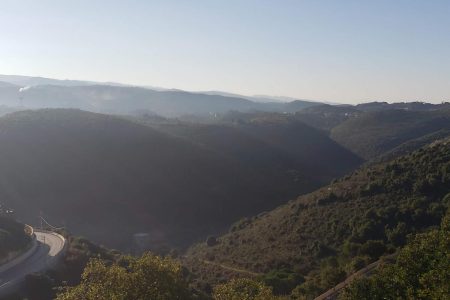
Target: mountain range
x,y
114,98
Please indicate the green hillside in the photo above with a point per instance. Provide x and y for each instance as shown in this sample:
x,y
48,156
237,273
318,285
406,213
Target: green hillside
x,y
421,270
374,133
412,145
323,236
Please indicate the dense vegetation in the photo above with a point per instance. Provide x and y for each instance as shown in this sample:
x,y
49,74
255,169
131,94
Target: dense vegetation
x,y
153,277
421,271
147,277
326,235
412,145
374,133
12,237
243,289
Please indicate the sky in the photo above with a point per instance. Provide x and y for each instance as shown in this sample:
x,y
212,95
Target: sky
x,y
348,51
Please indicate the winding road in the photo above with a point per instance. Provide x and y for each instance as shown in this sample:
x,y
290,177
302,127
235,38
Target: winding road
x,y
46,253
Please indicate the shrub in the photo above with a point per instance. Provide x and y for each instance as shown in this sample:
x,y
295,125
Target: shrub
x,y
146,277
397,235
422,271
243,289
283,281
373,249
211,241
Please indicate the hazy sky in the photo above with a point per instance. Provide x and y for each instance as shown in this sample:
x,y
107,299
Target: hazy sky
x,y
348,51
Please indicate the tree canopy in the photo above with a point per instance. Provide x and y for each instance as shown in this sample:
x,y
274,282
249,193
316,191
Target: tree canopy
x,y
146,277
243,289
422,270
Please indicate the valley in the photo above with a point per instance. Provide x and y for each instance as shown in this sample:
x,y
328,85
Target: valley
x,y
224,150
295,201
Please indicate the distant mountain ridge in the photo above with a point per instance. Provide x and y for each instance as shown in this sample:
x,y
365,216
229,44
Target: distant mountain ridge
x,y
23,81
4,84
38,92
410,106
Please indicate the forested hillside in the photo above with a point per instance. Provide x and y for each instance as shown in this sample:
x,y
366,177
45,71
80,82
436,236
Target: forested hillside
x,y
421,270
412,145
265,142
374,133
315,241
99,174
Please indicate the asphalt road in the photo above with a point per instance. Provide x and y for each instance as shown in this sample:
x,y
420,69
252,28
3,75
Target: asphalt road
x,y
49,246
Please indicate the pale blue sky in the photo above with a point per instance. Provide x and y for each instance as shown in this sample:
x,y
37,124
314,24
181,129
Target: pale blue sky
x,y
348,51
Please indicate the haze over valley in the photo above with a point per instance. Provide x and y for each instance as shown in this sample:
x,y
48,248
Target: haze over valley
x,y
179,168
234,150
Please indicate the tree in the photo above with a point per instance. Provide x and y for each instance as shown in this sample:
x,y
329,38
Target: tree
x,y
39,286
372,248
397,235
282,281
243,289
422,271
331,273
211,241
146,277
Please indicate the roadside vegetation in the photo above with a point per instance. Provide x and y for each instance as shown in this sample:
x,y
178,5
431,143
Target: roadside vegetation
x,y
13,238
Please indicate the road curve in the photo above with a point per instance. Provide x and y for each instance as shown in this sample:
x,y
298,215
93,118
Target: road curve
x,y
49,247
